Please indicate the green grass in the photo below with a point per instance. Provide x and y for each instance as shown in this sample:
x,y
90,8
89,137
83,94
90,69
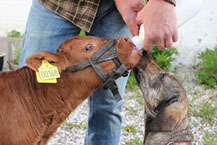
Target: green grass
x,y
4,69
131,110
131,84
82,124
210,138
140,99
206,111
136,141
129,128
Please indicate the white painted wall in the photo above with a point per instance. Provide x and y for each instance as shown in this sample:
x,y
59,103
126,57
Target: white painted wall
x,y
195,36
13,15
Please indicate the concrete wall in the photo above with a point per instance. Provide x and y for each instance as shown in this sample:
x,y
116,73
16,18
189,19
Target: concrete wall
x,y
194,36
7,45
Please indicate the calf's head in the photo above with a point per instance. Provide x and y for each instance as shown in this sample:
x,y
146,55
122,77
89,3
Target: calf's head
x,y
81,48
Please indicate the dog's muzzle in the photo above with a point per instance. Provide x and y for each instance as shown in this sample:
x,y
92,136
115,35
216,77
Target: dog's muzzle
x,y
98,57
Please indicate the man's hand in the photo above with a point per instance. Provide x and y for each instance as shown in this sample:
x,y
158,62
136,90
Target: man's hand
x,y
160,24
129,10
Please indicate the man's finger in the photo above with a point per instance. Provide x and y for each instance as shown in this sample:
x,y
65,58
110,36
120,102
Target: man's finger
x,y
138,5
168,42
147,44
160,44
133,27
175,37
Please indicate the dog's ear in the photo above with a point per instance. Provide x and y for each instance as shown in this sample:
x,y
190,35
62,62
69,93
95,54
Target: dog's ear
x,y
167,119
34,61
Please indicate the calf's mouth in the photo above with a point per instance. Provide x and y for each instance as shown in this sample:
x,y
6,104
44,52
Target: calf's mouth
x,y
127,52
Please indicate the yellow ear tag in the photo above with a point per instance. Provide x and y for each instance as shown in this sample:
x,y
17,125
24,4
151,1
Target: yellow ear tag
x,y
47,73
54,80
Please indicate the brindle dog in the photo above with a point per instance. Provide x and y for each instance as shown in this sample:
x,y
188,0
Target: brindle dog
x,y
166,104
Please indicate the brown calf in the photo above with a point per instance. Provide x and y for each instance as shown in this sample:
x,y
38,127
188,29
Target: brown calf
x,y
166,104
30,112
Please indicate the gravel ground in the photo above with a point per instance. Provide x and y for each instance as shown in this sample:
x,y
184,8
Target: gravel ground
x,y
72,131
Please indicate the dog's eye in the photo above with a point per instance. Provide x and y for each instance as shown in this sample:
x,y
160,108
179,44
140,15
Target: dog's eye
x,y
161,76
88,47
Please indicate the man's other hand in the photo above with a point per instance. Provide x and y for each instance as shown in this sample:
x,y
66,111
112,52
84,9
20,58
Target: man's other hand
x,y
160,24
129,10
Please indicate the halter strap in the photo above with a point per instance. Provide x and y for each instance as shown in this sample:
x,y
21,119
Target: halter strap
x,y
98,57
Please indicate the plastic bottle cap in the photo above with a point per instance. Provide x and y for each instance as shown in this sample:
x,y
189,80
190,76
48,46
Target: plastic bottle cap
x,y
138,42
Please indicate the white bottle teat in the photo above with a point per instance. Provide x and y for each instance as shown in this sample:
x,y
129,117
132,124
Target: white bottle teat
x,y
185,10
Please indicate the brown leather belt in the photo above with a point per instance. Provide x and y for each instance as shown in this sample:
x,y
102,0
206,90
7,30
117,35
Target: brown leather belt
x,y
180,143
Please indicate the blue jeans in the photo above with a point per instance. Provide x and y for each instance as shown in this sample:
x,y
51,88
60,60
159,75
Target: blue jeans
x,y
46,30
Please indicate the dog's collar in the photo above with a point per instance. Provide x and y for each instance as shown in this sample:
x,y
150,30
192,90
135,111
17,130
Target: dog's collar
x,y
98,57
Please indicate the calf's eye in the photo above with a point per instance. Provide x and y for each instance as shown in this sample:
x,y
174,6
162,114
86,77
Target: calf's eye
x,y
88,47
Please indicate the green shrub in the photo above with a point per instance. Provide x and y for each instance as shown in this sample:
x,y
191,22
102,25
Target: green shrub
x,y
82,33
207,68
17,52
15,34
163,57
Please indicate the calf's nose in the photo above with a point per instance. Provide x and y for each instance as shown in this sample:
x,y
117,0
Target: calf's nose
x,y
126,38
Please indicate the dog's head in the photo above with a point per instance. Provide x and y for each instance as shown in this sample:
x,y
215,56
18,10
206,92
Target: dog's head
x,y
80,48
159,84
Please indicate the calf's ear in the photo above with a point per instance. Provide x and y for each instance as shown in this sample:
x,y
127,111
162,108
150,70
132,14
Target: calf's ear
x,y
34,61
